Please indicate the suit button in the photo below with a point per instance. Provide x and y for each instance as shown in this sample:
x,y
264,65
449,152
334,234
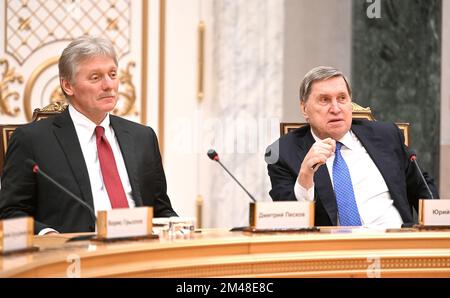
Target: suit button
x,y
91,228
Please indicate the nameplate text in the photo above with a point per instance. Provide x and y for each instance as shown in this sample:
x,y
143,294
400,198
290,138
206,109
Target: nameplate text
x,y
281,215
16,234
126,222
434,212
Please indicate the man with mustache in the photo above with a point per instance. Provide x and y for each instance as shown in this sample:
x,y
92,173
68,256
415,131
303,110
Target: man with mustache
x,y
357,172
105,160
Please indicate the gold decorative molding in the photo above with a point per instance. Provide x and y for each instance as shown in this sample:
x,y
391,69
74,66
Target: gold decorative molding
x,y
144,56
162,73
57,95
112,24
127,98
24,24
199,211
8,76
360,112
201,61
357,108
54,107
30,84
51,109
55,21
61,21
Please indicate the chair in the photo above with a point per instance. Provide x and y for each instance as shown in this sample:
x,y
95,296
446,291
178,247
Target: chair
x,y
6,130
358,113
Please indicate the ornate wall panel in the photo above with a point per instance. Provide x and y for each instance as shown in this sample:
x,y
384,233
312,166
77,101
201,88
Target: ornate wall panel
x,y
35,33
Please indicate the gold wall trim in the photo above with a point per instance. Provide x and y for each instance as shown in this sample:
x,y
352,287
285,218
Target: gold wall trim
x,y
201,61
199,211
8,76
6,134
144,62
38,20
30,84
127,92
162,73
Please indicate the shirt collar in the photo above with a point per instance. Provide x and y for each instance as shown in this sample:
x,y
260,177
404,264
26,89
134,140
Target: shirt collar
x,y
348,140
84,126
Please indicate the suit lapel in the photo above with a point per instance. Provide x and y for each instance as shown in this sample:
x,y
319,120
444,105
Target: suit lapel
x,y
374,146
66,135
127,147
323,187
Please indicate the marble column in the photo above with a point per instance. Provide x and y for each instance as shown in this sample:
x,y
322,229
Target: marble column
x,y
246,102
445,104
396,68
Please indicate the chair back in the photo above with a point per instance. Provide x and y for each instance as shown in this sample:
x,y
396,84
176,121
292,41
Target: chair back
x,y
6,130
358,112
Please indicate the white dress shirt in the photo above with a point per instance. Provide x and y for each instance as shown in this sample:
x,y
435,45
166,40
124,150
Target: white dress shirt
x,y
85,130
372,196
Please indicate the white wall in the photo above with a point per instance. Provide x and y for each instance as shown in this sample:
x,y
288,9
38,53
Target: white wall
x,y
317,32
180,159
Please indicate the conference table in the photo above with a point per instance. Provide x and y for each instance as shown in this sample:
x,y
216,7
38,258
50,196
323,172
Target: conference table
x,y
329,252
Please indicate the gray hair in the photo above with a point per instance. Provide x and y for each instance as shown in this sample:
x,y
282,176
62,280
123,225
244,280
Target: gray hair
x,y
320,73
80,49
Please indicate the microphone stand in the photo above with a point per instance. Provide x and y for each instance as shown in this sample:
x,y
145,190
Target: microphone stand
x,y
251,197
37,170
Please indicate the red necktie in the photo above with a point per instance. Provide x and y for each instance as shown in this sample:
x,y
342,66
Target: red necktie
x,y
110,173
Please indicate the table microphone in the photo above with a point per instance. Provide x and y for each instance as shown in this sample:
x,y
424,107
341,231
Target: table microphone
x,y
35,168
412,158
212,154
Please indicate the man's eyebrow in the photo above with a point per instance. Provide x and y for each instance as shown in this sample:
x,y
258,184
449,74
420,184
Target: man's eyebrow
x,y
100,69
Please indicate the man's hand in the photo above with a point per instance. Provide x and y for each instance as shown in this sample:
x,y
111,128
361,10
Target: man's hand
x,y
316,156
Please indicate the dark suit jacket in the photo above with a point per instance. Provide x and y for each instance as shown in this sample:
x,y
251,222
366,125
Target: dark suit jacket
x,y
385,145
54,145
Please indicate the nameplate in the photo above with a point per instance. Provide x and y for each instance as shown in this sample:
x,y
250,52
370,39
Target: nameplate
x,y
281,215
434,212
122,223
16,234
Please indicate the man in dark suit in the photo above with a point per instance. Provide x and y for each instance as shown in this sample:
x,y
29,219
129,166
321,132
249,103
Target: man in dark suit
x,y
357,172
107,161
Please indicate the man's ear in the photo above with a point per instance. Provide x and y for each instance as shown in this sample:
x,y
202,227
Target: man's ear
x,y
66,86
304,110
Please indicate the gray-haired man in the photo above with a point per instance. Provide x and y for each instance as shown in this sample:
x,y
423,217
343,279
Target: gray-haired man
x,y
357,171
107,161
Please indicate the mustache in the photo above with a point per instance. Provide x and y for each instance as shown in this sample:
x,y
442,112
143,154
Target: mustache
x,y
107,94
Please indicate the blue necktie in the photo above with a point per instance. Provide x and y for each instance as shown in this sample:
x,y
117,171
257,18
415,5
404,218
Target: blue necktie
x,y
343,188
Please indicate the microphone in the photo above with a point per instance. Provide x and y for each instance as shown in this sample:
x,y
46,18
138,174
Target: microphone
x,y
212,154
412,158
35,168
